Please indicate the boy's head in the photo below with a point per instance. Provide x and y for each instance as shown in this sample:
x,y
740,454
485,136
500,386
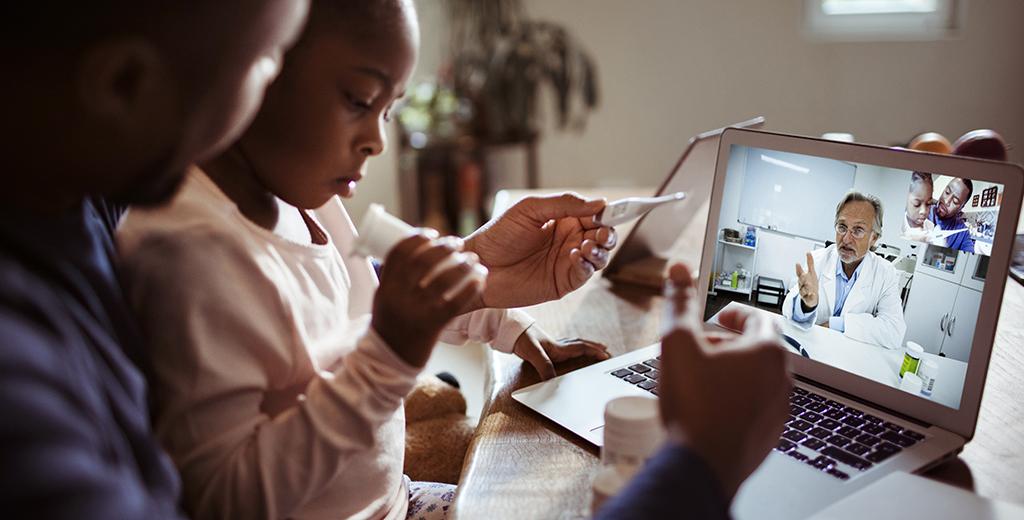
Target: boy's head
x,y
326,113
117,97
919,197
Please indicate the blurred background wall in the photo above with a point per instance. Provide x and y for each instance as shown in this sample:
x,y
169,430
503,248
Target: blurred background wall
x,y
670,69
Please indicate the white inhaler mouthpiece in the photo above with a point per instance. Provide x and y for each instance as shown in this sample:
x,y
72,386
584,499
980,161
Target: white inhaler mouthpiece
x,y
380,231
624,210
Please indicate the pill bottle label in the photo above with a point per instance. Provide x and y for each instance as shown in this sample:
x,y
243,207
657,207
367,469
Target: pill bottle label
x,y
910,364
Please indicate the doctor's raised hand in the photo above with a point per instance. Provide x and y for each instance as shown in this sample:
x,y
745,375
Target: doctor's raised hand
x,y
541,249
808,284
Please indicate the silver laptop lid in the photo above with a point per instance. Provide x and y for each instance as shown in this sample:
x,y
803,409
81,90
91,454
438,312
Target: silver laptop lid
x,y
947,235
657,234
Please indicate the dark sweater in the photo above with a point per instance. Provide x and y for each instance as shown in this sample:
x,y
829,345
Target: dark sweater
x,y
75,439
675,483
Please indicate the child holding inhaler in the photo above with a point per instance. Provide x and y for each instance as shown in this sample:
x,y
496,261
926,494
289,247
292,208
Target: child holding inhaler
x,y
916,226
278,366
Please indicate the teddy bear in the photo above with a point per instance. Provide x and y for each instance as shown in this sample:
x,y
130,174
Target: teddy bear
x,y
437,430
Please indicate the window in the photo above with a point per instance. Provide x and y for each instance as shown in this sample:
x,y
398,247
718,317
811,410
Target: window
x,y
882,20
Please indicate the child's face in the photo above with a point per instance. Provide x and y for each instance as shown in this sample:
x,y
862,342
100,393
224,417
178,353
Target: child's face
x,y
917,203
326,114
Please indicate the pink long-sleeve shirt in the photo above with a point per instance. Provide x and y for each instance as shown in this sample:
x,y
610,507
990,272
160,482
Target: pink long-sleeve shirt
x,y
271,392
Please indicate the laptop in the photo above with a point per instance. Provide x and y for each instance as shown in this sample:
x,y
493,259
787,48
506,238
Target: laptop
x,y
657,239
853,418
902,496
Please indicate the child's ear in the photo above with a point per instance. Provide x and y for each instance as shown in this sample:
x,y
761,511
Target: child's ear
x,y
122,82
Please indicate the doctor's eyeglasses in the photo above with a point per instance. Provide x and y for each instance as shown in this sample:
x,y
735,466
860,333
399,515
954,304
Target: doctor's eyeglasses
x,y
857,231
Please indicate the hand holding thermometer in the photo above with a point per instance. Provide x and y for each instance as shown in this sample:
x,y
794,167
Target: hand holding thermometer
x,y
624,210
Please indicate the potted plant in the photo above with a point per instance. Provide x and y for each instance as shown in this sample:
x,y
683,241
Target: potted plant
x,y
501,59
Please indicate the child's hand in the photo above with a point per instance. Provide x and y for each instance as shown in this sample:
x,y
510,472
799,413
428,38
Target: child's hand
x,y
538,349
410,307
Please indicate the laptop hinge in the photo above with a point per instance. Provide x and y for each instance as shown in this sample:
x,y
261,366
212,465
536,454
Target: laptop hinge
x,y
851,397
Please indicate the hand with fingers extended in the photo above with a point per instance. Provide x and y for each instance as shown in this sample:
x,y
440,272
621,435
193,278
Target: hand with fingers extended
x,y
541,249
808,284
415,299
723,395
542,351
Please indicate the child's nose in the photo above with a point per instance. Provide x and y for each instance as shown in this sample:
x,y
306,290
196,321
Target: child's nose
x,y
373,139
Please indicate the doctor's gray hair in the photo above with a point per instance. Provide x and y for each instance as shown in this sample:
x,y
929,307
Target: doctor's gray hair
x,y
856,196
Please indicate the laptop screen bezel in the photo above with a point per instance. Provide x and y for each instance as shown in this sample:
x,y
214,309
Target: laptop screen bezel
x,y
962,420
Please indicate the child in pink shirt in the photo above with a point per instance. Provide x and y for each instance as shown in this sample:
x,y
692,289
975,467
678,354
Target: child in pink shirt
x,y
278,364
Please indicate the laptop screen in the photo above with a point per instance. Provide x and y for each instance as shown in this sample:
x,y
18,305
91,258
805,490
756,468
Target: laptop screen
x,y
872,270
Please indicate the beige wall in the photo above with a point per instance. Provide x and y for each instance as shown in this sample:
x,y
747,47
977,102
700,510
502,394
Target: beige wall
x,y
672,68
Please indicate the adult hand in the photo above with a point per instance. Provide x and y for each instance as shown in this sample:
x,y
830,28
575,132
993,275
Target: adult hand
x,y
723,395
542,351
808,283
541,249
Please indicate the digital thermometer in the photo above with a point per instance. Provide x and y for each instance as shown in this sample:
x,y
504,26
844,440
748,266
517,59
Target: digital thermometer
x,y
624,210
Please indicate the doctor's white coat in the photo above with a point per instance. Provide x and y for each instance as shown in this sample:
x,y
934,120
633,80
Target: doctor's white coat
x,y
873,312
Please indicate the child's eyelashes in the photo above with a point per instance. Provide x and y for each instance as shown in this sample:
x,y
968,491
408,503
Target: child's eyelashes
x,y
357,103
361,106
395,107
390,110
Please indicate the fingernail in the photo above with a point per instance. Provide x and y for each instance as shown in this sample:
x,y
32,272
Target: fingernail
x,y
480,270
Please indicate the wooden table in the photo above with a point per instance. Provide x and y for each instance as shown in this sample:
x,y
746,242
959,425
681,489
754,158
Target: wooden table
x,y
521,465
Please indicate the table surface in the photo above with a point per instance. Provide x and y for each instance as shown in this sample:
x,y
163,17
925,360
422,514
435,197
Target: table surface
x,y
864,359
522,465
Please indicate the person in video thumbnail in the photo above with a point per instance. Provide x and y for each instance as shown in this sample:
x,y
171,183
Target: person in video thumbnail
x,y
948,214
916,226
856,292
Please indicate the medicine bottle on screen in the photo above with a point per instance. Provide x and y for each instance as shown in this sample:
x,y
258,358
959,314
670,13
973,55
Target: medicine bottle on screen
x,y
927,371
911,358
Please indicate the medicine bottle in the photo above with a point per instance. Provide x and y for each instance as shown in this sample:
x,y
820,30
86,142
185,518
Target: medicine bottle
x,y
380,231
912,358
632,433
927,371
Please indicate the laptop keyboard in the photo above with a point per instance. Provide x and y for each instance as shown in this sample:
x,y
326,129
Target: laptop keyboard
x,y
644,374
838,439
825,434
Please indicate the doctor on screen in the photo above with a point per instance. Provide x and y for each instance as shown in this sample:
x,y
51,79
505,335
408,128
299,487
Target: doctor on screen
x,y
845,286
